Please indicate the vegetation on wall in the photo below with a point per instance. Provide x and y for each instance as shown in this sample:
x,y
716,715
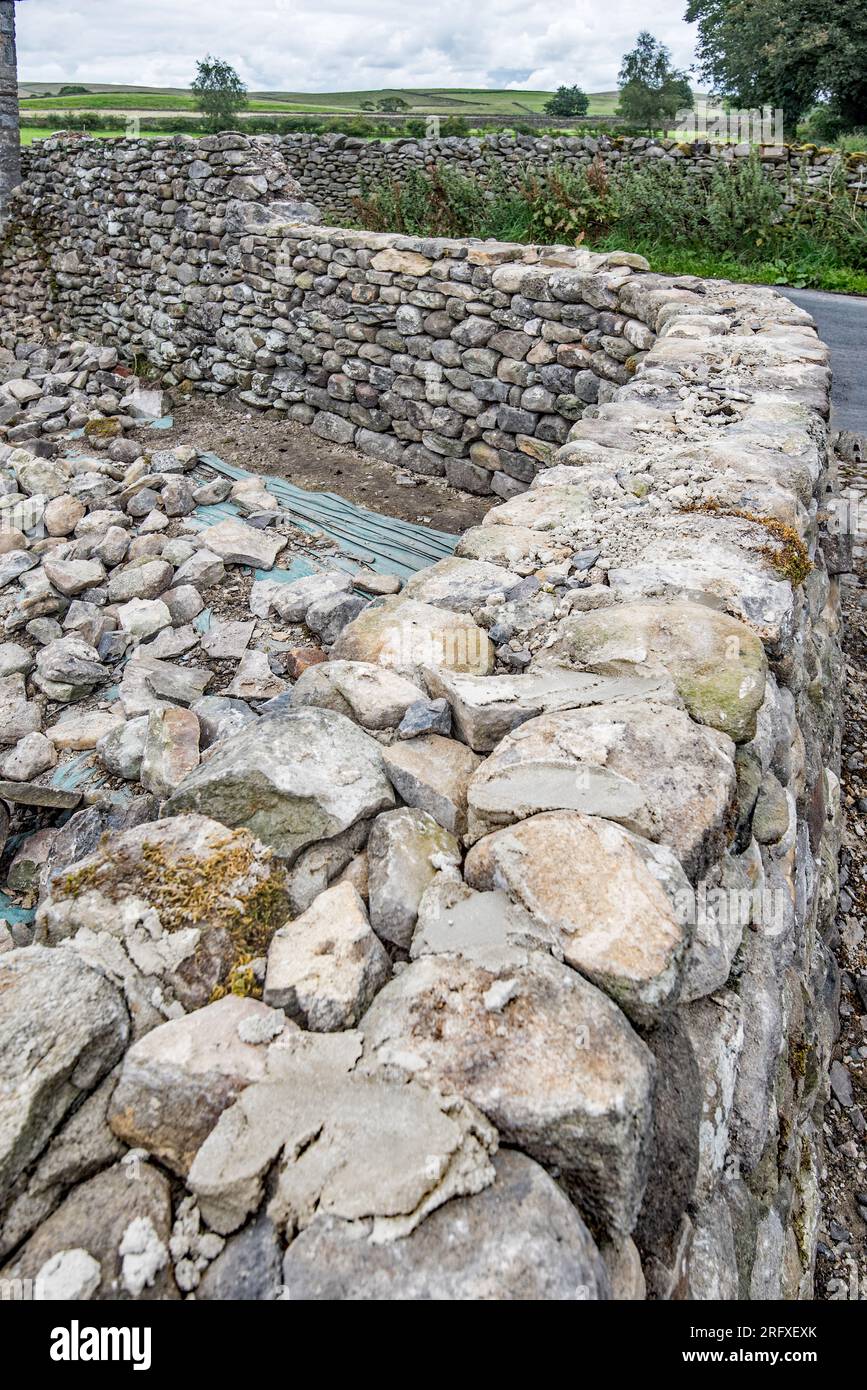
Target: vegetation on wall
x,y
735,223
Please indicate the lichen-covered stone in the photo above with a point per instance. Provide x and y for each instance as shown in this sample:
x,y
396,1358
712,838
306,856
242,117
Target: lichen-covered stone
x,y
168,910
717,664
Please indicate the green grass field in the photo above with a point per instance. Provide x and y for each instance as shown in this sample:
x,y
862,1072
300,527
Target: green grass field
x,y
443,101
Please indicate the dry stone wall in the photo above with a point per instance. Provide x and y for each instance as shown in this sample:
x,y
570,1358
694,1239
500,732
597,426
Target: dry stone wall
x,y
334,169
557,825
448,358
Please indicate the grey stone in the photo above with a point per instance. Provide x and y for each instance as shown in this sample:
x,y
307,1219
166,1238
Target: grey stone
x,y
405,850
63,1026
518,1239
219,717
176,1081
552,1062
301,776
325,966
122,1218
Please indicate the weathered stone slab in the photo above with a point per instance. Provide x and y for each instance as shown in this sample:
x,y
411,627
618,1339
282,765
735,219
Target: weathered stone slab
x,y
486,708
519,1239
346,1144
294,778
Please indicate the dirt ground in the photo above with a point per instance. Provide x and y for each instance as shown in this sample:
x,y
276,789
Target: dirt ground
x,y
266,442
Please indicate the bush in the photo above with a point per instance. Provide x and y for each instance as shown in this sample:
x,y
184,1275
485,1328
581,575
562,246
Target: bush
x,y
743,208
567,205
658,201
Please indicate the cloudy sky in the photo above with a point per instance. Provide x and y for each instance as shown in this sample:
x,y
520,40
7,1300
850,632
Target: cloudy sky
x,y
336,45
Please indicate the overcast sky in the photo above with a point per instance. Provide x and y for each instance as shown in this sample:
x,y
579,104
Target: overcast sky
x,y
336,45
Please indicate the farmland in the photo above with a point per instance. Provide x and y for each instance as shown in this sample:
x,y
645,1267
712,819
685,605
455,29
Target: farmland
x,y
443,101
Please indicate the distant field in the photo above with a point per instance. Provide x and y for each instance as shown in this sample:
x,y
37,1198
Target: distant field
x,y
443,101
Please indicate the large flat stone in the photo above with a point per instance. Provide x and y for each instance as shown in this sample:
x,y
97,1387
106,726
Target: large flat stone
x,y
645,765
486,708
292,778
718,664
345,1144
236,543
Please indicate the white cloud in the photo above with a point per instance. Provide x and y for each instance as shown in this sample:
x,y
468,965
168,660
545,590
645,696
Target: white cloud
x,y
336,45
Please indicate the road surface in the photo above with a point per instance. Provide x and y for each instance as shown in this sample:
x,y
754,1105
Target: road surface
x,y
842,323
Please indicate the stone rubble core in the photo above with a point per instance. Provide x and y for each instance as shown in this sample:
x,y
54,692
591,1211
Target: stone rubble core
x,y
539,852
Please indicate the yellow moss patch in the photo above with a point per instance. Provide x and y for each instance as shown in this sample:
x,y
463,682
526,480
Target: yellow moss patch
x,y
186,891
239,981
102,429
798,1054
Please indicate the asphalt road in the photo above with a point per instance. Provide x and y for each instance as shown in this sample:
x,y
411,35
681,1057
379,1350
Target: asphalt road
x,y
842,323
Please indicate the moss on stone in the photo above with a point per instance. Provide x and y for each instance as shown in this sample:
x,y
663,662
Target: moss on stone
x,y
102,429
791,561
186,891
798,1056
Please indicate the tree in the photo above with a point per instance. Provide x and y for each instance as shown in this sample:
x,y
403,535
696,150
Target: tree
x,y
219,92
568,101
786,53
393,104
652,91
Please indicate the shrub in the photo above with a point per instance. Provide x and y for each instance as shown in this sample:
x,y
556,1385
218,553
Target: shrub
x,y
658,201
568,205
722,224
743,207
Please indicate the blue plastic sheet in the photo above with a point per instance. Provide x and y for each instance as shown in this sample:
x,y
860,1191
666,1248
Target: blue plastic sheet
x,y
382,543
